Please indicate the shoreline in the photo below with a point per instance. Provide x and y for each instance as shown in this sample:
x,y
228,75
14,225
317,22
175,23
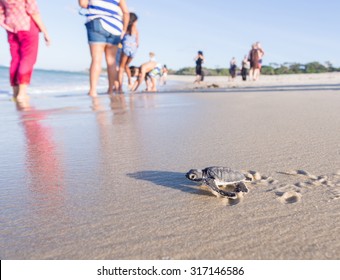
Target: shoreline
x,y
177,83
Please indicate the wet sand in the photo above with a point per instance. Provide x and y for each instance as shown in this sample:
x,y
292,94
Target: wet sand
x,y
104,178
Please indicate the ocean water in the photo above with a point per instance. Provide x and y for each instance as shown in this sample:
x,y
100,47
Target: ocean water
x,y
54,82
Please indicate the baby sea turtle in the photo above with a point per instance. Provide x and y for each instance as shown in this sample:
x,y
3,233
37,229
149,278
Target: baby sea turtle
x,y
216,176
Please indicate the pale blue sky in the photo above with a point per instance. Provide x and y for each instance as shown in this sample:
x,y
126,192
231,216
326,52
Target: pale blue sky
x,y
290,31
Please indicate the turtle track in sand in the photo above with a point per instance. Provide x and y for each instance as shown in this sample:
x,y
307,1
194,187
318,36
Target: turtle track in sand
x,y
292,188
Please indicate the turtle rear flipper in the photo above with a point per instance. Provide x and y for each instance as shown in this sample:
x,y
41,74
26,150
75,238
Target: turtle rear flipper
x,y
212,184
241,187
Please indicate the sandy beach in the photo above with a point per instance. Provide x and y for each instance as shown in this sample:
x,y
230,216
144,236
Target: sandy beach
x,y
103,178
289,80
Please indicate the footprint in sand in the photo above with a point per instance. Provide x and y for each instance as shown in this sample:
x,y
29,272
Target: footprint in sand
x,y
232,202
335,186
331,184
300,172
290,193
289,197
335,194
256,178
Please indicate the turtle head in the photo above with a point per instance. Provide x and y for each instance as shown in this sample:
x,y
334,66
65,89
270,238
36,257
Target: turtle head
x,y
195,175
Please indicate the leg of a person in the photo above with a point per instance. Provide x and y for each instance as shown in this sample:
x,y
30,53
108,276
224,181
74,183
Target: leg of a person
x,y
164,78
127,70
148,85
14,47
29,44
138,82
251,73
259,73
97,50
202,77
15,90
118,58
110,56
153,84
123,62
256,74
198,74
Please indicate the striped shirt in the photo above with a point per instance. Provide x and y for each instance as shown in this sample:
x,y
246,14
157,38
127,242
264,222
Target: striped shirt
x,y
16,14
109,13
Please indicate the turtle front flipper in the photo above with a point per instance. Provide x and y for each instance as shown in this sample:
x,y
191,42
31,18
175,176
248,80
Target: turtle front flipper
x,y
241,187
212,184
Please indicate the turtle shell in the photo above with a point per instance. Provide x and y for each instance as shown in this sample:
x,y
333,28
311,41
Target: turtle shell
x,y
224,174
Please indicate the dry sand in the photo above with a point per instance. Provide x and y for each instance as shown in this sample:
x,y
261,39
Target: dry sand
x,y
104,179
300,80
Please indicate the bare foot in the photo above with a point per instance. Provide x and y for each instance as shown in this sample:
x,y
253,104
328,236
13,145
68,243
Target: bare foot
x,y
23,105
22,97
92,94
120,90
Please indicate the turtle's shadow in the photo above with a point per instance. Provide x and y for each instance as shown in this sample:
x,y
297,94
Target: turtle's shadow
x,y
168,179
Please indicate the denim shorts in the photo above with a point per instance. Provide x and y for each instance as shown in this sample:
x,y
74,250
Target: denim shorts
x,y
97,34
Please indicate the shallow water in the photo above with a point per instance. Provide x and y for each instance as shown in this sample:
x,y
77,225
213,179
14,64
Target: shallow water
x,y
104,178
59,83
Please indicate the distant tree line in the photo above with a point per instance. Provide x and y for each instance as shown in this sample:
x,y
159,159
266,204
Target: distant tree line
x,y
207,71
298,68
271,69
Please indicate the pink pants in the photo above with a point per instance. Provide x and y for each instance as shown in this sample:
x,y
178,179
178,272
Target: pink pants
x,y
24,50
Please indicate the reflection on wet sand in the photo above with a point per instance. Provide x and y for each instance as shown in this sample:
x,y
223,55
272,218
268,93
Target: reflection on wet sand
x,y
45,175
121,104
118,103
114,134
119,134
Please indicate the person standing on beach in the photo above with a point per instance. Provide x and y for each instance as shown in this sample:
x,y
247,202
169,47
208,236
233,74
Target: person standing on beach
x,y
130,45
199,59
107,22
232,69
23,23
164,75
255,58
245,67
261,54
254,63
